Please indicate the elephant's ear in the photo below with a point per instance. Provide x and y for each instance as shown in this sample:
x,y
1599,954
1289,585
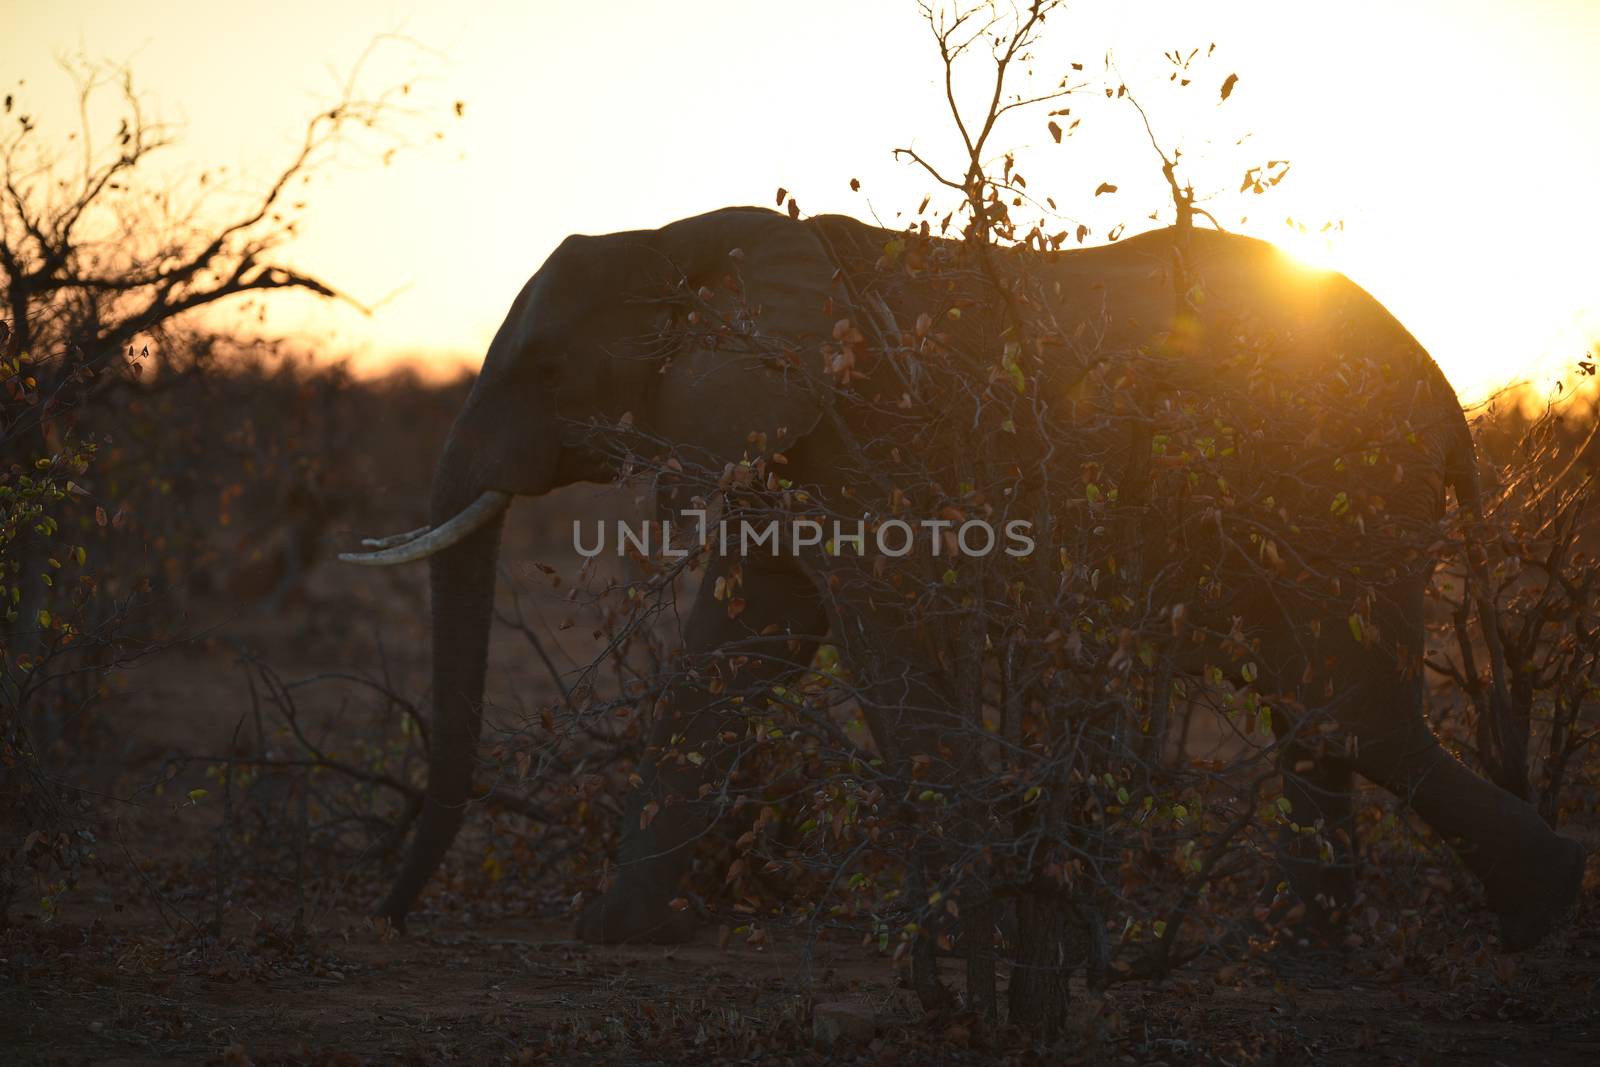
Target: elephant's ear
x,y
747,323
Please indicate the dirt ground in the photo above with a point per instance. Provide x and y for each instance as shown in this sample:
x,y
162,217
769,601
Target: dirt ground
x,y
141,965
125,991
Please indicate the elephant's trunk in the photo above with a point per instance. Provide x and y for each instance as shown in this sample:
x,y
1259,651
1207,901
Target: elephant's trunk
x,y
463,581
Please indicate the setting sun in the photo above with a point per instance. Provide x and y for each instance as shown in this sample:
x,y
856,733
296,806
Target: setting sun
x,y
1311,248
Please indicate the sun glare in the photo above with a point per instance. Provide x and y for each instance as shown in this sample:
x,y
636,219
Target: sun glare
x,y
1307,248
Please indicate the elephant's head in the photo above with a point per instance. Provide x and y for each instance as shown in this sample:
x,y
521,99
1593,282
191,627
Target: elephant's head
x,y
700,332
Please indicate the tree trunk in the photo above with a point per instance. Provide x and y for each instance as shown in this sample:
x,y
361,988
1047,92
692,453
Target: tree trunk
x,y
1040,993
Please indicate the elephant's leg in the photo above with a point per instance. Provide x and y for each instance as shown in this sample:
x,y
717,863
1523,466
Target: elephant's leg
x,y
1317,785
657,848
1529,873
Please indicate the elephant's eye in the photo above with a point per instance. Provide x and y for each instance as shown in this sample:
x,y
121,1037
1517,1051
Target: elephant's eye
x,y
549,375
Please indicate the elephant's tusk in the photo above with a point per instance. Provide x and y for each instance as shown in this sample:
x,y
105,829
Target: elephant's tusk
x,y
409,549
395,539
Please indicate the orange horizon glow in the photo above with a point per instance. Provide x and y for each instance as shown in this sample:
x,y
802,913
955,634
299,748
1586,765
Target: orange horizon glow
x,y
1451,139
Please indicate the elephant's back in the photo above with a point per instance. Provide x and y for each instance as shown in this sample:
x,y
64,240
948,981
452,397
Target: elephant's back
x,y
1290,388
1320,388
1237,285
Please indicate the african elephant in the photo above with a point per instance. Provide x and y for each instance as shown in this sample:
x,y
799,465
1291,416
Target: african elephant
x,y
598,338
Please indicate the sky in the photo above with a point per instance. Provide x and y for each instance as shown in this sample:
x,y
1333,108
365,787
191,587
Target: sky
x,y
1453,139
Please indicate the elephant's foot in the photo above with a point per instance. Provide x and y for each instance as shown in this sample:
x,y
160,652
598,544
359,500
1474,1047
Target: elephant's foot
x,y
633,914
1529,916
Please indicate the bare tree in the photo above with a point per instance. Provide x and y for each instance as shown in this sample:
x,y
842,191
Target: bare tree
x,y
100,259
95,254
1530,667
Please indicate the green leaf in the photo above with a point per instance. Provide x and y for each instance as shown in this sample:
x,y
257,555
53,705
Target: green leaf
x,y
1018,382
